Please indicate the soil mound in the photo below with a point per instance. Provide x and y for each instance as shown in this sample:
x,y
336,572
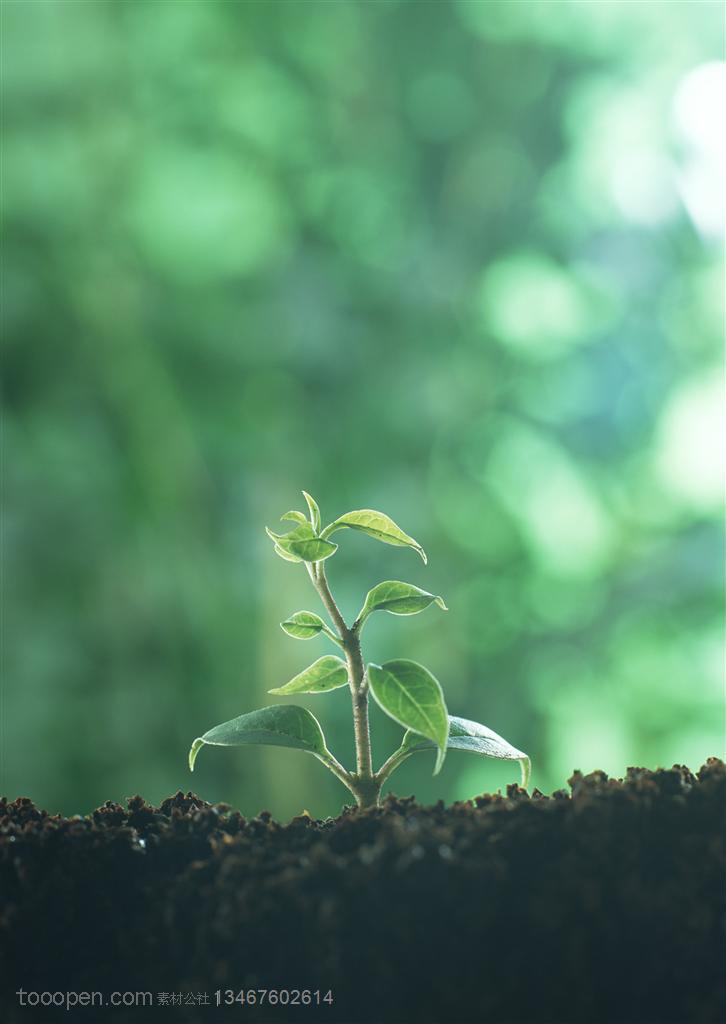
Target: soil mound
x,y
604,904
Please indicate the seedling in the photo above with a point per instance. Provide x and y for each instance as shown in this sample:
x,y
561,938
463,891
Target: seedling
x,y
405,690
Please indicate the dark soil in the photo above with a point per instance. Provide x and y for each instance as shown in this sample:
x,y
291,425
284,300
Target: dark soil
x,y
606,905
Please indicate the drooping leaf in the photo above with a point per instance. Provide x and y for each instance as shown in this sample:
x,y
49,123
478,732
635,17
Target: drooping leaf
x,y
375,524
327,673
303,625
297,517
283,725
411,695
194,750
314,511
303,543
477,738
398,599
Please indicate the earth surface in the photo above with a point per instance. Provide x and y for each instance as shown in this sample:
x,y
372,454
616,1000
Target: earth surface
x,y
603,904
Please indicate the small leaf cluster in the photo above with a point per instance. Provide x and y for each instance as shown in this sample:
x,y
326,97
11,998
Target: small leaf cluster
x,y
406,691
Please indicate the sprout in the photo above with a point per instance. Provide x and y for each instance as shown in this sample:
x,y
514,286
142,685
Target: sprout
x,y
405,690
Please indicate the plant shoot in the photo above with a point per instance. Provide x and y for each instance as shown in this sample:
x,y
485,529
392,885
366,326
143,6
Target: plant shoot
x,y
405,690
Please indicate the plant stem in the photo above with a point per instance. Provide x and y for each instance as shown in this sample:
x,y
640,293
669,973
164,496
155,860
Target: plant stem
x,y
396,758
317,574
364,784
339,771
359,693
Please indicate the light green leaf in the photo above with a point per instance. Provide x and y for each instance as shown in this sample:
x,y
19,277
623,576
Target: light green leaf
x,y
303,543
398,599
327,673
286,554
314,511
284,725
375,524
297,517
467,735
194,750
303,625
412,696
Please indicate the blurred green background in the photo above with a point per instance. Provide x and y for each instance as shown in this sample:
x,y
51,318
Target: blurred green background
x,y
456,261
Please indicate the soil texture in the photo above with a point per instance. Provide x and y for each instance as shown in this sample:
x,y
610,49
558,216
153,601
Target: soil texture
x,y
602,905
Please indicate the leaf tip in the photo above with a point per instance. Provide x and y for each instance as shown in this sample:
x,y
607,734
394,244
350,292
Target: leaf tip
x,y
526,768
442,604
424,559
194,750
314,511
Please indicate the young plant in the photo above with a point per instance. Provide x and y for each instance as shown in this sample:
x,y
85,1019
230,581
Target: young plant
x,y
405,690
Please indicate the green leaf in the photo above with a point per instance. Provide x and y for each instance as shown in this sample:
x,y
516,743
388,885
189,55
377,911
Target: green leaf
x,y
286,554
466,735
284,725
297,517
314,511
303,544
398,599
412,696
303,625
194,750
327,673
375,524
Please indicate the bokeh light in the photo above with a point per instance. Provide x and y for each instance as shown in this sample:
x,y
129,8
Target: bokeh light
x,y
461,262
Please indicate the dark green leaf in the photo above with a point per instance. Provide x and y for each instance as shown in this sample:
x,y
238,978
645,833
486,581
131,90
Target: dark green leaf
x,y
327,673
375,524
284,725
303,625
398,599
412,696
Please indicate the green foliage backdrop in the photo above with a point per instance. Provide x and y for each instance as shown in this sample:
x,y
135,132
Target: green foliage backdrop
x,y
455,261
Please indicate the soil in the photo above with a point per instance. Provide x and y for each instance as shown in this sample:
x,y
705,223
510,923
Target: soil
x,y
605,904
